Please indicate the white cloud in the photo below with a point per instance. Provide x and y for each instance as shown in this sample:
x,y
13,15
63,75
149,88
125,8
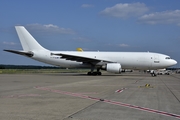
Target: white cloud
x,y
165,17
123,45
9,43
87,5
125,10
81,39
50,28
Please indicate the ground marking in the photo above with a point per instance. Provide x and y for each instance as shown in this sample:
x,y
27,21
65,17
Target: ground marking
x,y
23,95
120,90
110,102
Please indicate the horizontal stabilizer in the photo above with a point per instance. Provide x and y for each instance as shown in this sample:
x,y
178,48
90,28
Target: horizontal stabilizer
x,y
25,53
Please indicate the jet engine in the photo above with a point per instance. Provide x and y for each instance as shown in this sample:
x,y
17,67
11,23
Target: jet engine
x,y
112,67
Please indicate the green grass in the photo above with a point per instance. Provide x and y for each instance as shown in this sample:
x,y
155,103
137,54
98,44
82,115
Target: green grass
x,y
34,71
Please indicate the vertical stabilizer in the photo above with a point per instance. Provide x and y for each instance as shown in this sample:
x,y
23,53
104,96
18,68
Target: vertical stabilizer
x,y
27,40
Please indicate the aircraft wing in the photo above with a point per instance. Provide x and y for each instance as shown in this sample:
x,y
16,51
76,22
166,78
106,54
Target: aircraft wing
x,y
25,53
80,58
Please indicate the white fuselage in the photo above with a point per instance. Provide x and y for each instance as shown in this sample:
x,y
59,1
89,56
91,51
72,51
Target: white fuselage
x,y
128,60
109,61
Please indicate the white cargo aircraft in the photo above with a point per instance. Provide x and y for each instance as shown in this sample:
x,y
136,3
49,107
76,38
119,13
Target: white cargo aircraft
x,y
110,61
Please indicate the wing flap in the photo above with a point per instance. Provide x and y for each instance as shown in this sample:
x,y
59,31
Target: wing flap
x,y
79,58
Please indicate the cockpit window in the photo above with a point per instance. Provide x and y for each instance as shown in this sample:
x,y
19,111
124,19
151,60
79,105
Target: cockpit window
x,y
167,58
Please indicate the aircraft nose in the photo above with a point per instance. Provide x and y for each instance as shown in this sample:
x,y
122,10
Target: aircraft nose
x,y
174,62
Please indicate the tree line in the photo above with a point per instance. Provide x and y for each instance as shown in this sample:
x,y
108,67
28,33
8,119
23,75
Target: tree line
x,y
26,67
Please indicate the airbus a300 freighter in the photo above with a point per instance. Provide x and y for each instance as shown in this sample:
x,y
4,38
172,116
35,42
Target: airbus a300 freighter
x,y
110,61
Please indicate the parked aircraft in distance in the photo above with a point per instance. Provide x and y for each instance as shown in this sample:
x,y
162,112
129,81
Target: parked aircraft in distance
x,y
110,61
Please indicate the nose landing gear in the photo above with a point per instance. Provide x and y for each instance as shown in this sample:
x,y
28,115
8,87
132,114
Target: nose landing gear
x,y
153,74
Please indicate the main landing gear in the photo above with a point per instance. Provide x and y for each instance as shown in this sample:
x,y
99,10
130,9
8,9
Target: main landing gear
x,y
94,73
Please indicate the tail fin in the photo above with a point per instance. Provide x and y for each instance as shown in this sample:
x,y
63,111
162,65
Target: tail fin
x,y
27,41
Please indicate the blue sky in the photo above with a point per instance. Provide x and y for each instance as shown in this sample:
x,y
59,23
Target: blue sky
x,y
104,25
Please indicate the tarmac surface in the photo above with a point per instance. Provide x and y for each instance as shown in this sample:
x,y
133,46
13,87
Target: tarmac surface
x,y
74,96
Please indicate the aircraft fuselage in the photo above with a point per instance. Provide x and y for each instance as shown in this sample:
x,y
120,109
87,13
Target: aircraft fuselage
x,y
128,60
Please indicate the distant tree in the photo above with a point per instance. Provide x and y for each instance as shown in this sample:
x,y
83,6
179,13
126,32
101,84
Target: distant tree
x,y
2,67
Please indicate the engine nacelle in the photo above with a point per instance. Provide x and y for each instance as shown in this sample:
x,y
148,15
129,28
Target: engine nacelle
x,y
112,67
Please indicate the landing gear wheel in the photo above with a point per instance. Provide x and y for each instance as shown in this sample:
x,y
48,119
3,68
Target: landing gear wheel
x,y
94,73
89,73
99,73
153,75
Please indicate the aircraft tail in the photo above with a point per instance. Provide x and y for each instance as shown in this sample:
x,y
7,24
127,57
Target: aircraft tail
x,y
27,40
